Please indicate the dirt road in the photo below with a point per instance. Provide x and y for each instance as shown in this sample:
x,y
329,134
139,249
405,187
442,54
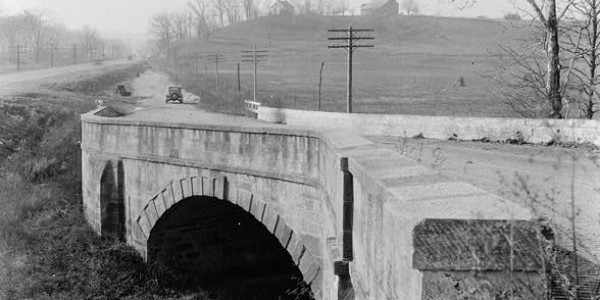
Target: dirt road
x,y
30,81
151,88
538,177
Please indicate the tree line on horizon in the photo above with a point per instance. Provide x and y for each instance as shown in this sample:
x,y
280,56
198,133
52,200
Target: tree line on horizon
x,y
35,37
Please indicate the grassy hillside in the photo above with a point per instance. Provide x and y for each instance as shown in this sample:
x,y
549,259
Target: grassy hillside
x,y
413,69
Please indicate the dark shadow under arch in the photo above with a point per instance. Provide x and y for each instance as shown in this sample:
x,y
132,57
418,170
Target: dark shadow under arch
x,y
217,245
112,206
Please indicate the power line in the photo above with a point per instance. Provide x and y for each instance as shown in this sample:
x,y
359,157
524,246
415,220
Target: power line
x,y
255,56
215,58
350,43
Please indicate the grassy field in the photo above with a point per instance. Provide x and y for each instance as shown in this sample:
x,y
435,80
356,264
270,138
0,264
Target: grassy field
x,y
413,69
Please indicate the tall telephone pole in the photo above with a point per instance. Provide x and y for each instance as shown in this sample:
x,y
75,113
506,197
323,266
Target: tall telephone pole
x,y
254,56
18,58
350,42
51,55
215,58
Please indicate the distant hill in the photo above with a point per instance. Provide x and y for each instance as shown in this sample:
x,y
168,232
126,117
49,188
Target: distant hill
x,y
413,67
405,33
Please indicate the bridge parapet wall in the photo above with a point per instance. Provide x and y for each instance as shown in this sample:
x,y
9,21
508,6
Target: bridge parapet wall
x,y
444,127
289,169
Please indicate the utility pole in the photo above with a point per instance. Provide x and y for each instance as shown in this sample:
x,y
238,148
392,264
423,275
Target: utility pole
x,y
18,58
351,43
215,58
320,82
191,25
254,56
196,65
238,78
74,54
51,55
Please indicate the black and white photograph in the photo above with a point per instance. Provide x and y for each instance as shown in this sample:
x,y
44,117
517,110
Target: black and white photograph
x,y
300,149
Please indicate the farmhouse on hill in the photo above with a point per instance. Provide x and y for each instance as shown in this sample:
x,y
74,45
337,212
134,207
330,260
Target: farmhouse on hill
x,y
282,7
380,8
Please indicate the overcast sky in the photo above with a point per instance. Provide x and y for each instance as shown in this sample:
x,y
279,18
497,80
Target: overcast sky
x,y
131,16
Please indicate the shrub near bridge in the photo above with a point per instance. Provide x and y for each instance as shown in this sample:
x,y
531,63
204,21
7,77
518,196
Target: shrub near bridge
x,y
47,250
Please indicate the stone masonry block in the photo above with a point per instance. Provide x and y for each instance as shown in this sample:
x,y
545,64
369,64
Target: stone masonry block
x,y
186,186
232,193
177,191
447,244
282,233
269,218
316,283
159,204
151,213
168,197
318,295
144,225
220,187
306,261
312,272
208,185
196,186
295,247
257,208
244,200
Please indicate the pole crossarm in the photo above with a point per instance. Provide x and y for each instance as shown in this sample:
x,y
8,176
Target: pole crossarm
x,y
350,45
254,56
353,30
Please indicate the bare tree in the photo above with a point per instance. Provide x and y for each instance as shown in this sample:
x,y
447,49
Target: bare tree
x,y
220,8
89,41
201,19
521,78
162,29
12,32
410,7
303,6
181,26
550,22
583,41
256,8
232,9
248,8
38,23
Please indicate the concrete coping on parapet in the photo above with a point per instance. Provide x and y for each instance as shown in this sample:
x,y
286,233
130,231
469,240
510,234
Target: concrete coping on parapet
x,y
520,130
338,139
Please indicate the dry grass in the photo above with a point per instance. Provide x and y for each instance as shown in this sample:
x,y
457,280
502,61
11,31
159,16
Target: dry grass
x,y
413,68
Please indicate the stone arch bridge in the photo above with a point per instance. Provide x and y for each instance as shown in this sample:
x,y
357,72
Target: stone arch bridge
x,y
358,221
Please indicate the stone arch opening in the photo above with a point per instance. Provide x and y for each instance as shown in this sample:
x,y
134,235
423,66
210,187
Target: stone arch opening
x,y
219,246
112,206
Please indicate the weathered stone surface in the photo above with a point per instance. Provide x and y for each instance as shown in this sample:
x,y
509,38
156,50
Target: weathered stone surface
x,y
186,185
482,285
294,178
477,245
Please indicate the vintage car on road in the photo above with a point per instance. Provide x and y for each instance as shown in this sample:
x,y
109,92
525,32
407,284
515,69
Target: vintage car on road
x,y
174,94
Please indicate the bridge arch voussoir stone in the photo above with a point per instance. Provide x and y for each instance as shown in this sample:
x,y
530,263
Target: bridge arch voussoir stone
x,y
291,241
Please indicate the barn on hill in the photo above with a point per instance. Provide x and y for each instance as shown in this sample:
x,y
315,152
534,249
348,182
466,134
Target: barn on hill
x,y
282,7
380,8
